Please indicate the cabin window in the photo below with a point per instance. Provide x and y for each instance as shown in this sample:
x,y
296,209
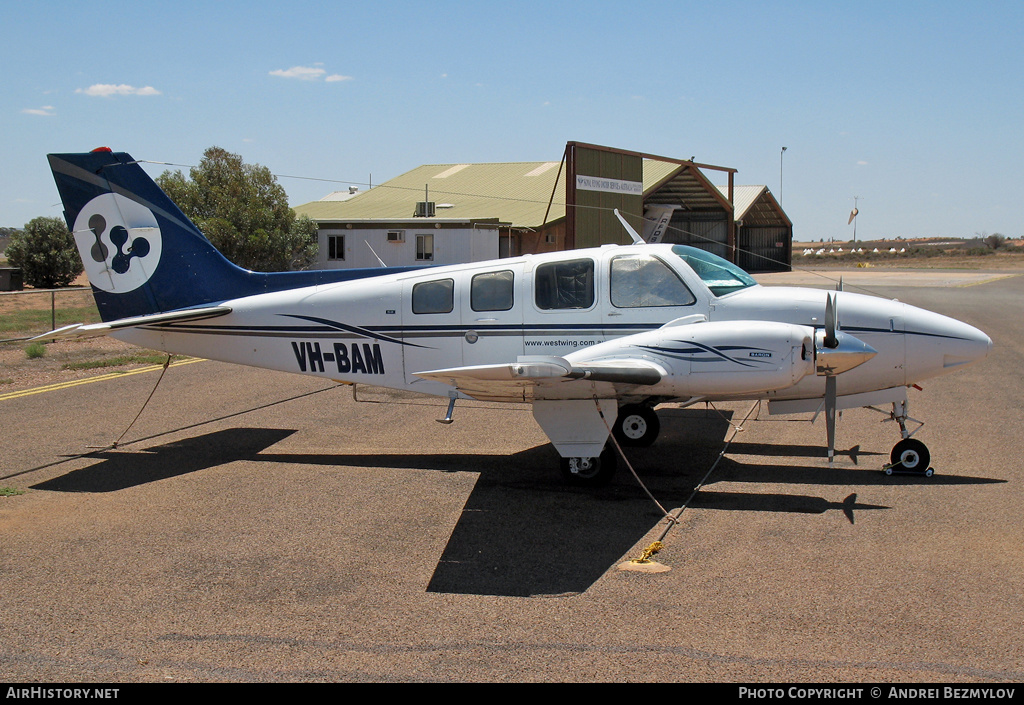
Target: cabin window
x,y
492,291
424,248
641,281
335,247
563,285
434,297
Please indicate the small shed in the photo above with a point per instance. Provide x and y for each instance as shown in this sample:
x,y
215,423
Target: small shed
x,y
764,233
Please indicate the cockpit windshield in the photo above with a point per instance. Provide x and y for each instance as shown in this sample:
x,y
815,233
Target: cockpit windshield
x,y
720,275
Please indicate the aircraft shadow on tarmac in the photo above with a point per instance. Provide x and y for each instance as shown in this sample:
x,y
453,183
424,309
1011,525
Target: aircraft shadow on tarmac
x,y
523,531
121,469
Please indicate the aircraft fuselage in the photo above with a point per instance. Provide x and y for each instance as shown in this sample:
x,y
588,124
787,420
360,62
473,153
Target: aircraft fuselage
x,y
383,330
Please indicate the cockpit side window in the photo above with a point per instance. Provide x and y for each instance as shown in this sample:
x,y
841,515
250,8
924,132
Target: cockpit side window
x,y
434,296
565,285
641,281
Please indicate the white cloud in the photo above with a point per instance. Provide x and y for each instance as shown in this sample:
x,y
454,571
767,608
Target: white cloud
x,y
46,110
303,73
309,73
862,163
105,90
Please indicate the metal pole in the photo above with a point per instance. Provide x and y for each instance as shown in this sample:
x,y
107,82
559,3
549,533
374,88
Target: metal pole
x,y
855,209
780,175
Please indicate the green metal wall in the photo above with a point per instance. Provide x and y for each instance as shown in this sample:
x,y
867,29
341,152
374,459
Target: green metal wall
x,y
596,224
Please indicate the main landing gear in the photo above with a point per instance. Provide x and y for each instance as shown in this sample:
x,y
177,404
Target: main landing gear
x,y
593,472
909,456
637,426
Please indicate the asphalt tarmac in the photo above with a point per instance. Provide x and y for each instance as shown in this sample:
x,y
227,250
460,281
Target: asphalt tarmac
x,y
255,526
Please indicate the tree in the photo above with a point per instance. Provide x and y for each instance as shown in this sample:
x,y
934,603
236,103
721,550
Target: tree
x,y
995,240
46,253
244,212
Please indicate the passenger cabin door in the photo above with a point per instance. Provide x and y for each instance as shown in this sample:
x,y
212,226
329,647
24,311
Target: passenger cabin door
x,y
492,315
564,306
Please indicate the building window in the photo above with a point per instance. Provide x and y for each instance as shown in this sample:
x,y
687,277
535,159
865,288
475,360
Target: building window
x,y
335,247
434,297
396,236
425,248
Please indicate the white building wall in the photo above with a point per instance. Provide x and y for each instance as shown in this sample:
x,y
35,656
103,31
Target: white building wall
x,y
450,246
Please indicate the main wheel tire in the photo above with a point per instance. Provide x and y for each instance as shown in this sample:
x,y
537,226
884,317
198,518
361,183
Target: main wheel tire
x,y
637,425
593,472
910,455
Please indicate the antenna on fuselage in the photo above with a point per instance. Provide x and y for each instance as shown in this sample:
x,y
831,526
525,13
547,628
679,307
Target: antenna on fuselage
x,y
375,254
637,240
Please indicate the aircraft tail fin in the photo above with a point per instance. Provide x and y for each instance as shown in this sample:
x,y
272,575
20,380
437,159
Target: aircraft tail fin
x,y
142,255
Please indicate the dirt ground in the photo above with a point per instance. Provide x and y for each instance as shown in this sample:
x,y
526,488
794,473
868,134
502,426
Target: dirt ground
x,y
18,371
266,527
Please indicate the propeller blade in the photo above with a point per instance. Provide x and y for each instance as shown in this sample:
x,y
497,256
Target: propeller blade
x,y
830,323
830,416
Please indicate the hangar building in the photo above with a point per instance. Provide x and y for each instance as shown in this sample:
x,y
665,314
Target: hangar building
x,y
450,213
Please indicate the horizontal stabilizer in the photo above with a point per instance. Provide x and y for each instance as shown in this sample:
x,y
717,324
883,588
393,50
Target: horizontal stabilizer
x,y
95,330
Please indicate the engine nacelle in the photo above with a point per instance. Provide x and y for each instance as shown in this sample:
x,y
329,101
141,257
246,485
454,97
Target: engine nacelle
x,y
716,358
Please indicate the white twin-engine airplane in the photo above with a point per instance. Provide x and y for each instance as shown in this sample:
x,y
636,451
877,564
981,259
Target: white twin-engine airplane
x,y
594,339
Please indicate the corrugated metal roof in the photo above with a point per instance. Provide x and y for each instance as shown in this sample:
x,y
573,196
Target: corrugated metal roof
x,y
743,198
755,205
655,172
681,184
516,193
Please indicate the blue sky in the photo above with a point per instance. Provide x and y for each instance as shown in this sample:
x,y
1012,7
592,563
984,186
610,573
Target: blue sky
x,y
915,107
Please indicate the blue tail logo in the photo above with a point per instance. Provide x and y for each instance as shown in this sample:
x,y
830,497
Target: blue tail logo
x,y
119,241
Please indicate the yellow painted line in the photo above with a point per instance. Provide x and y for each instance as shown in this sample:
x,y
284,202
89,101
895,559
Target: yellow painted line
x,y
90,380
994,278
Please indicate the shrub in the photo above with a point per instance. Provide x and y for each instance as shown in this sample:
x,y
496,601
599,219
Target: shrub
x,y
46,253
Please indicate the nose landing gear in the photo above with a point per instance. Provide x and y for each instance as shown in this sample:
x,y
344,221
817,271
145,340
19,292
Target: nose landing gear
x,y
909,456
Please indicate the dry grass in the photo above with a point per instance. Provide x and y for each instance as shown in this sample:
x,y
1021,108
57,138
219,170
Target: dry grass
x,y
28,313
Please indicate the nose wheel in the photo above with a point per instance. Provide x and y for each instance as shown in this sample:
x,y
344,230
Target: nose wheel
x,y
910,456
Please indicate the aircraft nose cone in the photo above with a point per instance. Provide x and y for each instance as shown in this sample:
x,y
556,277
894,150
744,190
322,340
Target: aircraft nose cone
x,y
966,344
938,344
981,344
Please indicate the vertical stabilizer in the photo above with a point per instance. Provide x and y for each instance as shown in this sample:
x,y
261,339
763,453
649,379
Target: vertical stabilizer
x,y
142,254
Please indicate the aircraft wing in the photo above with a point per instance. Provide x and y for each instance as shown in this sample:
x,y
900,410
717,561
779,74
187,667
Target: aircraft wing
x,y
94,330
518,381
